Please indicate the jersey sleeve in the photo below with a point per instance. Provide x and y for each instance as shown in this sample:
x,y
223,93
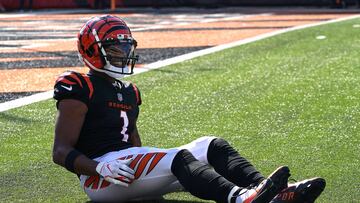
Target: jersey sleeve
x,y
71,85
137,94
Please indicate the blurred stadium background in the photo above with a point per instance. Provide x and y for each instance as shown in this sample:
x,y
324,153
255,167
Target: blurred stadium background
x,y
45,4
33,29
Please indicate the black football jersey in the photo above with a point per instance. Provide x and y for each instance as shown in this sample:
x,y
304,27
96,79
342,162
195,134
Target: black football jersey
x,y
112,111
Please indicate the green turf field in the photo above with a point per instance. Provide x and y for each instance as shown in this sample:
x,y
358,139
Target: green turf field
x,y
288,100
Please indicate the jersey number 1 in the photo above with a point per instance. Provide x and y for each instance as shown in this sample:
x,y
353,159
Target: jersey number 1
x,y
123,115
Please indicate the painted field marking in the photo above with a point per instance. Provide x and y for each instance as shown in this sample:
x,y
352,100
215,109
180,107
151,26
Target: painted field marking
x,y
321,37
26,44
47,95
179,23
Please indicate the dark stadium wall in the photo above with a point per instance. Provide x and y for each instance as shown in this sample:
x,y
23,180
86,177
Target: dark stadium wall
x,y
43,4
55,4
212,3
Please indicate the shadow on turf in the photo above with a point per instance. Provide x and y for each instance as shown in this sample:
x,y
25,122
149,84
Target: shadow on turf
x,y
158,201
13,118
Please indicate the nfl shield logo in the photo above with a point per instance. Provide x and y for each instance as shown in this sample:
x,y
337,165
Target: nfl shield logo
x,y
120,97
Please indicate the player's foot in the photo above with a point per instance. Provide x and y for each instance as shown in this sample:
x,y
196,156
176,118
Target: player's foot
x,y
267,189
305,191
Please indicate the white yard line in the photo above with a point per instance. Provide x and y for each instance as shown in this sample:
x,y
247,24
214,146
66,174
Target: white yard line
x,y
15,15
47,95
25,100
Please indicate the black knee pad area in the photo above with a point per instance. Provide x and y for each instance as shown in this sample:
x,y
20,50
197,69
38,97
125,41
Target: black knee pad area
x,y
230,164
185,165
181,160
199,178
220,151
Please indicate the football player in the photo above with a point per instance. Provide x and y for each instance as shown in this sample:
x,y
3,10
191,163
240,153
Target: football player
x,y
96,136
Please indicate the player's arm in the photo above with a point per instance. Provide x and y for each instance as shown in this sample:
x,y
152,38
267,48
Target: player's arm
x,y
70,118
69,121
135,137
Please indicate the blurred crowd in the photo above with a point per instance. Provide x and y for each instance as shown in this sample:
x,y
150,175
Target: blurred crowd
x,y
345,3
25,5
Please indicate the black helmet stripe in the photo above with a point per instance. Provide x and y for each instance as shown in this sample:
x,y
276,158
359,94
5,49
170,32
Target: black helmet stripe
x,y
91,26
105,22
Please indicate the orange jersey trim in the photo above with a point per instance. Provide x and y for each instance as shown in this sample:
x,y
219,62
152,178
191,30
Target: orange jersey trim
x,y
91,88
76,78
66,81
137,94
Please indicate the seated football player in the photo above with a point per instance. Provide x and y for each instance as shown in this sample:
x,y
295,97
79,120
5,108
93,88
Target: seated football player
x,y
96,137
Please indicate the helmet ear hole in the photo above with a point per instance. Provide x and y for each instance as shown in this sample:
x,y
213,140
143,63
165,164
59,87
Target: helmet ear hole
x,y
90,51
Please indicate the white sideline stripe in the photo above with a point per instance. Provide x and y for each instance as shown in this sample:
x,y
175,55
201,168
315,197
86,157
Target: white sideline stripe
x,y
25,100
202,52
47,95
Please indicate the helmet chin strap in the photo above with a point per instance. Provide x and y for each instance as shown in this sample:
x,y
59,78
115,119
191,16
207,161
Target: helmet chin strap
x,y
107,70
112,71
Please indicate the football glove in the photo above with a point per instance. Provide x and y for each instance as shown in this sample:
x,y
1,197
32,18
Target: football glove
x,y
116,171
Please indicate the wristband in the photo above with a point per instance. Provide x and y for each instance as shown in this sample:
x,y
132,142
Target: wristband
x,y
70,159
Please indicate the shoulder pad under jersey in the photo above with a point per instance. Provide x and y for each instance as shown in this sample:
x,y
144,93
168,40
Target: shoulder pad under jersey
x,y
73,85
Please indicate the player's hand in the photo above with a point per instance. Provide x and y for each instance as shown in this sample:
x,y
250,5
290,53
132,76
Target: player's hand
x,y
116,171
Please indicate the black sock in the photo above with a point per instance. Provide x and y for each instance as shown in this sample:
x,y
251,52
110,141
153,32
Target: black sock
x,y
199,179
228,162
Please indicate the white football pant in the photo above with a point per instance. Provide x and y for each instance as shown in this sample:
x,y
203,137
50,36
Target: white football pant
x,y
153,176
